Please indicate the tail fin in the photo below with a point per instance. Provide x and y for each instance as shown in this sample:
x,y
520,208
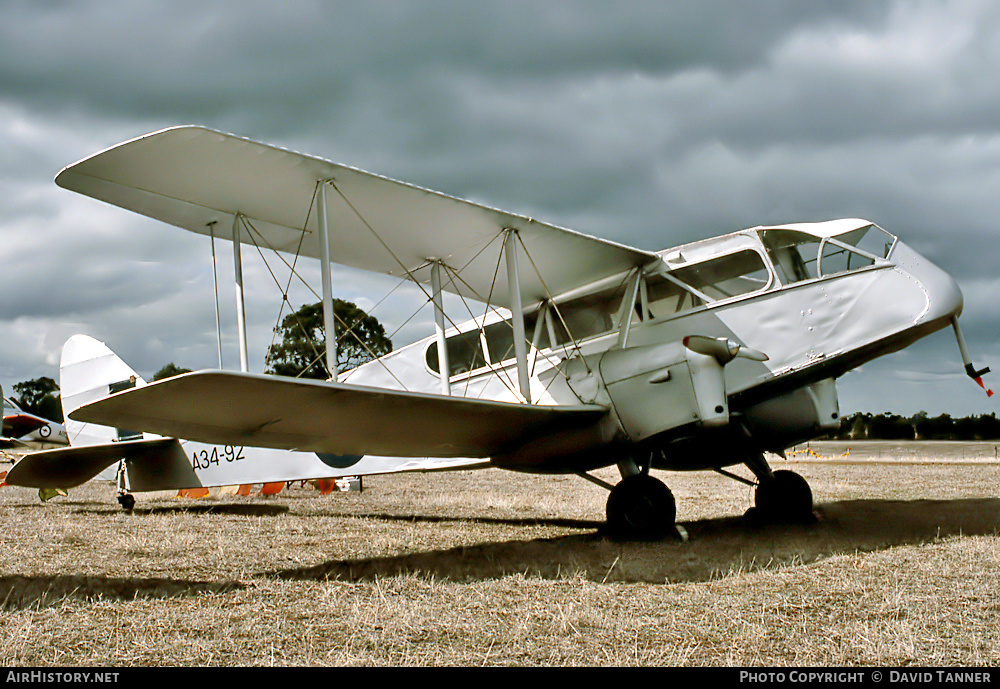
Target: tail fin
x,y
89,371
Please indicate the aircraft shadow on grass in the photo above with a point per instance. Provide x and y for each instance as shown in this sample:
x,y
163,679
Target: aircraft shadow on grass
x,y
19,592
715,546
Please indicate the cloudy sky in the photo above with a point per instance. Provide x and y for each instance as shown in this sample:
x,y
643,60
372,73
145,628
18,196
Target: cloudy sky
x,y
650,123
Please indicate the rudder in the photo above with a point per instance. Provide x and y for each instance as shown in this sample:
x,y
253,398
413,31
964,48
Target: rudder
x,y
89,371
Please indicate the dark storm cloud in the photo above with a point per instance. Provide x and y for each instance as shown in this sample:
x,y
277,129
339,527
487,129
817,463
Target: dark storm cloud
x,y
646,122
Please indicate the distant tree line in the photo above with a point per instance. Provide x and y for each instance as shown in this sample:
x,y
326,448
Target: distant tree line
x,y
920,426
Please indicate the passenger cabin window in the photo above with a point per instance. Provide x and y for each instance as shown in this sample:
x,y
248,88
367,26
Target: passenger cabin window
x,y
586,317
500,338
665,298
726,276
466,353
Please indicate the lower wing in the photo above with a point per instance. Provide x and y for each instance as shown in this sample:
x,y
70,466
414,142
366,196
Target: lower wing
x,y
248,409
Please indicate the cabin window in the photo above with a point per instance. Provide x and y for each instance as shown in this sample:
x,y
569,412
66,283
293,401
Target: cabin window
x,y
793,253
500,338
726,276
586,317
465,353
665,298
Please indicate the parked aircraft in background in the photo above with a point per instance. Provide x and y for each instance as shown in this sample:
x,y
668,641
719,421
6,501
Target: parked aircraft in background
x,y
20,427
581,353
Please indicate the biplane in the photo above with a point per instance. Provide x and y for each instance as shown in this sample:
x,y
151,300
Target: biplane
x,y
576,353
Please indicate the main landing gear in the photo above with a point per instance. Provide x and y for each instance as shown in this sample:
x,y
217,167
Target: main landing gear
x,y
781,496
641,507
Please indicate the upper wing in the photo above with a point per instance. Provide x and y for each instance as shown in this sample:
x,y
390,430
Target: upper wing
x,y
193,177
268,411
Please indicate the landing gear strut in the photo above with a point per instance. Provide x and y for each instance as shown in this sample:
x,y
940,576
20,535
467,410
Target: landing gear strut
x,y
125,498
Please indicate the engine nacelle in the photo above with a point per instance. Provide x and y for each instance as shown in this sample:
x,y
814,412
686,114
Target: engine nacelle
x,y
650,389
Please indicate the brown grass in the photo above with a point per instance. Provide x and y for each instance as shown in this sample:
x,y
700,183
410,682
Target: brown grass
x,y
494,568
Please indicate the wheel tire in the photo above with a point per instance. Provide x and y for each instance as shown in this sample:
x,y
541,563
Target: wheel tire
x,y
641,507
127,501
785,497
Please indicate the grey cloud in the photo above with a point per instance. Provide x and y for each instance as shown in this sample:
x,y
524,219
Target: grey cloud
x,y
649,123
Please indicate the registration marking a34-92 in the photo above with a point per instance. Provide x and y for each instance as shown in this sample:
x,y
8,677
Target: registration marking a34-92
x,y
204,459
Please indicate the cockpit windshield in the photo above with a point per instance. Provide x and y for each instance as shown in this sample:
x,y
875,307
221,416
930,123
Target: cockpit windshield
x,y
801,256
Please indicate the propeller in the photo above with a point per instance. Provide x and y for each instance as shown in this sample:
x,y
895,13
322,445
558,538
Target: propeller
x,y
723,349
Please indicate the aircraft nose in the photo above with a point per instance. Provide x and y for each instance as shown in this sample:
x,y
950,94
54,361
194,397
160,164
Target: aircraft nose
x,y
944,297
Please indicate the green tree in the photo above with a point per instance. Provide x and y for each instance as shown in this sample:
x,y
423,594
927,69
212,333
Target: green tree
x,y
302,350
169,371
39,397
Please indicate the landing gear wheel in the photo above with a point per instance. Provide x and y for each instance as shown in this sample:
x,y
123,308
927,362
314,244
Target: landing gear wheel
x,y
641,507
127,501
785,497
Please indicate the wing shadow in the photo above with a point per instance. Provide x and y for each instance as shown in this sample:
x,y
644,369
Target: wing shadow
x,y
20,592
716,547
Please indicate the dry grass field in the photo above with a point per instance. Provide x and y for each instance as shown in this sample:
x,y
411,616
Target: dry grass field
x,y
494,568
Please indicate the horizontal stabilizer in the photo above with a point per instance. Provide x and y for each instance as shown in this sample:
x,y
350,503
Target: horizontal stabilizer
x,y
245,409
67,467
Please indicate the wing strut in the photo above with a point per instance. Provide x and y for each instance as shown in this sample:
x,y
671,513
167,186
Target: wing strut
x,y
241,315
517,315
324,259
444,366
215,281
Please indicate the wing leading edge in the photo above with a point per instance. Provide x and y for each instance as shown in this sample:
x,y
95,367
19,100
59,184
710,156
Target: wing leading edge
x,y
268,411
197,179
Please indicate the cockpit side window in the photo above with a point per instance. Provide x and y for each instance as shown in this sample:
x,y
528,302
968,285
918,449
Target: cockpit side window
x,y
794,254
871,239
800,256
837,258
